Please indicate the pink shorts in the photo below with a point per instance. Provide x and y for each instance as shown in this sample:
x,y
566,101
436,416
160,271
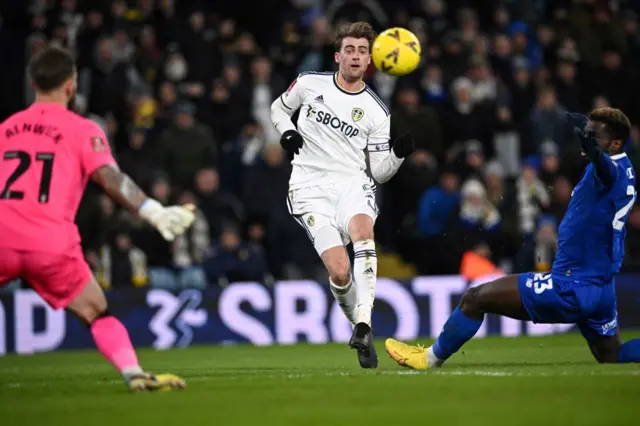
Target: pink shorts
x,y
57,277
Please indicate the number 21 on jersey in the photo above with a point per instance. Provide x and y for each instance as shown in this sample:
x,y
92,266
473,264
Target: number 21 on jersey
x,y
23,162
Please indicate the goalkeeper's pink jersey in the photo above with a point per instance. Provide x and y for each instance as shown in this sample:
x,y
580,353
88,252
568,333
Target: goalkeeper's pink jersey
x,y
47,154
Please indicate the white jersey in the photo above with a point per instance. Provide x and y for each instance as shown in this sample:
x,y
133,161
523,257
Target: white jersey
x,y
337,127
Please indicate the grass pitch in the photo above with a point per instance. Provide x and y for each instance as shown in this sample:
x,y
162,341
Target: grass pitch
x,y
521,381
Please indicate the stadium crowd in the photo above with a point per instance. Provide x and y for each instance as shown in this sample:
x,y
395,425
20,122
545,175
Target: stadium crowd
x,y
183,90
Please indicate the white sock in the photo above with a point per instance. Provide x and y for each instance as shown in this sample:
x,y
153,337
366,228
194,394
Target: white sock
x,y
129,372
347,298
432,360
365,270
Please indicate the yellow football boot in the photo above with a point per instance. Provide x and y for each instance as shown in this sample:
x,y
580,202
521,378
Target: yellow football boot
x,y
407,355
155,382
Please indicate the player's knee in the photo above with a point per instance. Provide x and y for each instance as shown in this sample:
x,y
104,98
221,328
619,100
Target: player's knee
x,y
471,301
340,275
339,271
361,228
606,356
91,311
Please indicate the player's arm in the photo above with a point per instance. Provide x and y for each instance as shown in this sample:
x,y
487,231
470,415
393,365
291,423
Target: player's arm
x,y
98,163
606,170
282,110
120,187
169,221
604,166
386,157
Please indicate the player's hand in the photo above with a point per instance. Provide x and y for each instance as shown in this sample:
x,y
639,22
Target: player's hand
x,y
588,141
291,141
171,221
404,145
576,119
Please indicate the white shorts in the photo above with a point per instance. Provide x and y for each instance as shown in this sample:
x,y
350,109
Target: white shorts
x,y
324,211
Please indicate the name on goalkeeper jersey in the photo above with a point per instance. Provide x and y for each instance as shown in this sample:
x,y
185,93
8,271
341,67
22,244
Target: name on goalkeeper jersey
x,y
327,119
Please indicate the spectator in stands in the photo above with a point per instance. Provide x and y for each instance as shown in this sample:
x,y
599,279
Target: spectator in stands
x,y
139,159
533,197
549,163
182,160
506,140
537,252
260,198
547,120
232,259
421,121
266,88
217,206
561,195
120,263
433,85
437,204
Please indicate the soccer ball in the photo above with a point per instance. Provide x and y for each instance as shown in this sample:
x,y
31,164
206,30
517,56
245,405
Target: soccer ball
x,y
396,51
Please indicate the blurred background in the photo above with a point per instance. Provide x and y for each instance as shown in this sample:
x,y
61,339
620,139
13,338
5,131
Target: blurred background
x,y
183,91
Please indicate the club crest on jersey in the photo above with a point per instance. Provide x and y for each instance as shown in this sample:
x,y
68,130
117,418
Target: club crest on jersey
x,y
97,144
357,114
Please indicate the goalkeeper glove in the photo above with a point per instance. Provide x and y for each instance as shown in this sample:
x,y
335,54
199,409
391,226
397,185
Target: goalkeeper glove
x,y
404,145
171,221
291,141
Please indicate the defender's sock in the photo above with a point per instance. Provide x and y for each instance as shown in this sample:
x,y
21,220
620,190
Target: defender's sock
x,y
112,340
456,332
630,351
365,270
347,298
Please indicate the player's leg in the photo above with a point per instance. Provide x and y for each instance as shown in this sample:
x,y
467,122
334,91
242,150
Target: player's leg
x,y
608,349
365,270
365,264
336,260
113,342
600,330
65,281
313,209
501,297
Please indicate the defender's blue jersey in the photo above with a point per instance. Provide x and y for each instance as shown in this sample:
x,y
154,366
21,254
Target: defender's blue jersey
x,y
592,233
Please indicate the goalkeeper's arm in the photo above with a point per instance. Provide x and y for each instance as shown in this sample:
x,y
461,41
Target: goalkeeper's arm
x,y
169,221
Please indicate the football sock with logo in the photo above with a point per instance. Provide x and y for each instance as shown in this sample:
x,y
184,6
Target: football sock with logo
x,y
365,270
347,298
112,340
630,351
456,332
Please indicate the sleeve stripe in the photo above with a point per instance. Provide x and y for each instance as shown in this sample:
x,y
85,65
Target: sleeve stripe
x,y
316,73
282,100
379,101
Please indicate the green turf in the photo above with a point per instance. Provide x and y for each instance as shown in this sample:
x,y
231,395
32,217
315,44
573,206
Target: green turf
x,y
524,381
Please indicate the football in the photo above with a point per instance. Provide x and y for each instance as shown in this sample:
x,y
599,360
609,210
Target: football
x,y
396,51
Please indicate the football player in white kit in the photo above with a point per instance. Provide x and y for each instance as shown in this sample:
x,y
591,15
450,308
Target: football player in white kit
x,y
330,192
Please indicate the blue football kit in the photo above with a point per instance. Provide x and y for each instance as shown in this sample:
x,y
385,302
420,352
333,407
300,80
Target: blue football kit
x,y
580,287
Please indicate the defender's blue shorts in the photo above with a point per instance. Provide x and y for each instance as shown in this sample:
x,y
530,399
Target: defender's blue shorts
x,y
550,298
